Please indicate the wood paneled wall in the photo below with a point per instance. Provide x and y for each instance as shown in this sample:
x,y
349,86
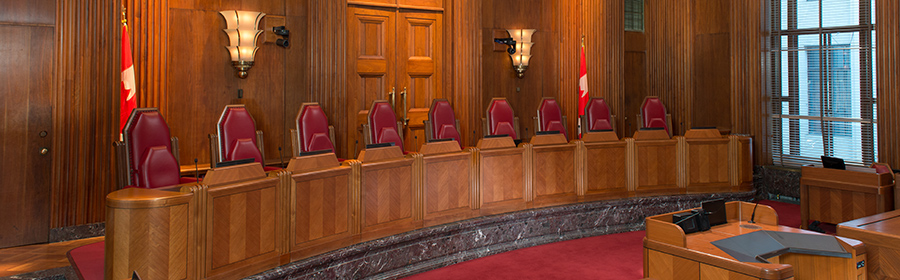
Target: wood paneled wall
x,y
603,26
85,109
668,27
749,105
327,78
466,75
887,30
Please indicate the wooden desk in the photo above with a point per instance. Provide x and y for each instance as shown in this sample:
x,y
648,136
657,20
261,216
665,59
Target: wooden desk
x,y
553,170
669,253
881,233
836,196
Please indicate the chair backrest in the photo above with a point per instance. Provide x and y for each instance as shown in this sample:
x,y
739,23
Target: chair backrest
x,y
598,115
149,150
550,116
501,118
383,124
312,125
653,113
237,135
443,120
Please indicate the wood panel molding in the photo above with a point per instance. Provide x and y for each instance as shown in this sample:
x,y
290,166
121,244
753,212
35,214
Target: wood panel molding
x,y
604,40
466,56
887,30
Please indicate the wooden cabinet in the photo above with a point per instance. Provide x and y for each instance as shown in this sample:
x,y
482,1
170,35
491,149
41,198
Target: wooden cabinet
x,y
395,53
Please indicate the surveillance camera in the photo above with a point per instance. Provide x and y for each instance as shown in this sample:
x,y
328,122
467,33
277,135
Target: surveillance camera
x,y
511,49
282,43
281,31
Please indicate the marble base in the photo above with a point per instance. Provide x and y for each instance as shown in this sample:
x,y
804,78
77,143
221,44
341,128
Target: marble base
x,y
59,273
777,181
434,247
77,232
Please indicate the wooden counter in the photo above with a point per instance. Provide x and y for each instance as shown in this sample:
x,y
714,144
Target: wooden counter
x,y
881,233
836,196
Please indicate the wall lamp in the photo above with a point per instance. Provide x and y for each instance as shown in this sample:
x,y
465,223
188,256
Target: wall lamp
x,y
242,35
519,48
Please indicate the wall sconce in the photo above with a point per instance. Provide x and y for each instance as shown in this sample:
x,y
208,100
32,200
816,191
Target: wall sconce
x,y
519,48
242,35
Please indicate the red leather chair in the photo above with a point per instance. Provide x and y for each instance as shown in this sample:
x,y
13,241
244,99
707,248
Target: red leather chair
x,y
549,117
148,156
653,114
382,126
442,122
312,132
237,137
501,119
597,116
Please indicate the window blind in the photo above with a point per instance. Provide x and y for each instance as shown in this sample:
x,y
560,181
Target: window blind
x,y
821,81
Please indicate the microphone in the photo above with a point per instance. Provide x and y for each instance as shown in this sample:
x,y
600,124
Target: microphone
x,y
281,156
196,171
753,216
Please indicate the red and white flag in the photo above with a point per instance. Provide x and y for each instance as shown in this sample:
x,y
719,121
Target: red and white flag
x,y
128,100
583,97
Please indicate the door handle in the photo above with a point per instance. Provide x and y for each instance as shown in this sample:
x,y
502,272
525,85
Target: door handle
x,y
405,107
392,97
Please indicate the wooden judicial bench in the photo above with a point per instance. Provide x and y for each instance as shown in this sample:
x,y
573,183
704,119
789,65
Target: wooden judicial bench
x,y
240,220
669,253
835,196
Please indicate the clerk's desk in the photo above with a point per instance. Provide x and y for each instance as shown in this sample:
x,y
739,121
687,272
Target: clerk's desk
x,y
669,253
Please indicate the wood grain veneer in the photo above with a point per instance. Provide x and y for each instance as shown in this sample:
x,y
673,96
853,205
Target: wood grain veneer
x,y
835,196
151,232
604,170
880,234
448,186
553,171
655,163
706,161
501,176
389,192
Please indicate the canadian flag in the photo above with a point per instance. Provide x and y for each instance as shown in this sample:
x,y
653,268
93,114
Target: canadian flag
x,y
583,97
127,101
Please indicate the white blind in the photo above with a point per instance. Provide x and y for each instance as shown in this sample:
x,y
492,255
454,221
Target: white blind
x,y
821,81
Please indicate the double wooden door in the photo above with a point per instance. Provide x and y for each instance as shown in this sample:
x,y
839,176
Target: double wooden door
x,y
394,54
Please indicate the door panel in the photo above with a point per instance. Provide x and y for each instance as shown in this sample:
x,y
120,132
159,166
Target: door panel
x,y
371,45
25,122
419,55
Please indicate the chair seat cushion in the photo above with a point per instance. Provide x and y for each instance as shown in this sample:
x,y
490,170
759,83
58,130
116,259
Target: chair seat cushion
x,y
186,180
448,131
657,122
389,135
557,126
87,261
505,128
320,141
270,168
244,148
158,168
601,124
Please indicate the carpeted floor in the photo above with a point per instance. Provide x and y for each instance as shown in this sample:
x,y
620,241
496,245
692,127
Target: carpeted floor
x,y
614,256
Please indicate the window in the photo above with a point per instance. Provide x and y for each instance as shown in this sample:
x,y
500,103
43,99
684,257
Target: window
x,y
634,15
821,81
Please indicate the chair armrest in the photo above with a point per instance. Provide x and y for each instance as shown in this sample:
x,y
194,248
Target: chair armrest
x,y
583,124
428,135
175,154
295,142
669,124
213,150
537,124
516,127
565,126
122,175
612,122
261,146
331,137
400,132
485,129
367,137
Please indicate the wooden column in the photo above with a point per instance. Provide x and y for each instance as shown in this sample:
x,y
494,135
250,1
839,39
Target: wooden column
x,y
327,67
887,30
669,41
749,105
466,62
85,109
568,60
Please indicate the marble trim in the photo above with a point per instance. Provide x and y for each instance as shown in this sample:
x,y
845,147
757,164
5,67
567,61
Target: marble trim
x,y
77,232
438,246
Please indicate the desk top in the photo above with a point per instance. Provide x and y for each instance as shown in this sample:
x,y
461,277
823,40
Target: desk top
x,y
881,229
701,241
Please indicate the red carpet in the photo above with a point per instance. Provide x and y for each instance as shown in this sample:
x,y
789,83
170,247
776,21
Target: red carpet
x,y
614,256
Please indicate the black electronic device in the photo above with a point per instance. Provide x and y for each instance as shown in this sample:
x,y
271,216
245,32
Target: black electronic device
x,y
687,221
496,136
234,162
599,130
548,132
715,211
441,140
833,163
380,145
316,152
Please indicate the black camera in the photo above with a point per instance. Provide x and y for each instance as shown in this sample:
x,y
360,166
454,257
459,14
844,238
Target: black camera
x,y
511,49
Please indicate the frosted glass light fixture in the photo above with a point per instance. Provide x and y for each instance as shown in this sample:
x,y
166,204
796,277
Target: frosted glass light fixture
x,y
242,35
522,56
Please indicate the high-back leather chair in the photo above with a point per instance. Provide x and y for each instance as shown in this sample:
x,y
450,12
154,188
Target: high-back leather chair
x,y
653,114
148,156
312,131
550,118
237,137
382,126
500,119
597,116
442,122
